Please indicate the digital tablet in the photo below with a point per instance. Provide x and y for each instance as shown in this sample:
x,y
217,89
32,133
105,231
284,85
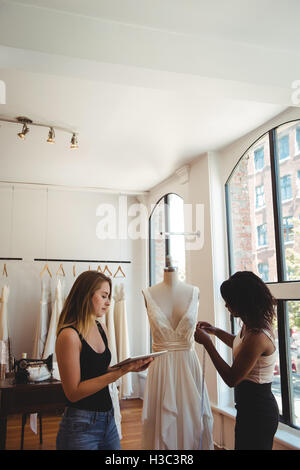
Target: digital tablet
x,y
137,358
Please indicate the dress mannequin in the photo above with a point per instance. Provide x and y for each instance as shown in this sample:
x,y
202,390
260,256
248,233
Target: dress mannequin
x,y
171,295
176,409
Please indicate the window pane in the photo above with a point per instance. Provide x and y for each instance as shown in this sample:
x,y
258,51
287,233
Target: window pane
x,y
251,213
288,229
293,307
157,225
276,385
263,269
289,197
284,147
286,187
260,196
177,242
297,142
259,158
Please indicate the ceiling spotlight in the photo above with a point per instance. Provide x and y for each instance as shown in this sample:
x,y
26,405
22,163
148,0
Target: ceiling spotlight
x,y
74,143
23,120
25,131
51,136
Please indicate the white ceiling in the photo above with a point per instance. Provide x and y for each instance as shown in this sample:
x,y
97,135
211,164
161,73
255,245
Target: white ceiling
x,y
148,84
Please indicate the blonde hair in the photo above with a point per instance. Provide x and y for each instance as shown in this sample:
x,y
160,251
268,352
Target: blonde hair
x,y
78,310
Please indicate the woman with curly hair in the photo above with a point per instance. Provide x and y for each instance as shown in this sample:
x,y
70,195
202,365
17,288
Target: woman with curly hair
x,y
247,297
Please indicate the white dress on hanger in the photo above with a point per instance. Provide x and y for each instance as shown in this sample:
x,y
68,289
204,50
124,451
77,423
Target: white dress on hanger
x,y
113,390
41,331
43,319
122,339
56,311
4,336
110,325
173,402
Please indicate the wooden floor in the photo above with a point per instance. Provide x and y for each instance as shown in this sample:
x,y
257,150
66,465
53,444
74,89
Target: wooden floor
x,y
131,411
131,429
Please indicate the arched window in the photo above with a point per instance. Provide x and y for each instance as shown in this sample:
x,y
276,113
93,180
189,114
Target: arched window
x,y
263,222
165,224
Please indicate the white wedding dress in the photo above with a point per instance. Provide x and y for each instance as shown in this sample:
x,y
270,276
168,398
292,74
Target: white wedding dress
x,y
176,414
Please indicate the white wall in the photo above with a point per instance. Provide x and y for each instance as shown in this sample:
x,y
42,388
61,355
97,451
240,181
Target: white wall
x,y
61,224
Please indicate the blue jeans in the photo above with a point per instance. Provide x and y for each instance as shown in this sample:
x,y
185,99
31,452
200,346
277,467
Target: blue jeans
x,y
87,430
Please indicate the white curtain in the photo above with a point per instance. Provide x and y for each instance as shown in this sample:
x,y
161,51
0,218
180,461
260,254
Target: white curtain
x,y
4,336
122,338
43,319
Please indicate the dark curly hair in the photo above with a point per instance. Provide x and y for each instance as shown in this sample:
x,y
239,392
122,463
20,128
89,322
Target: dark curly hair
x,y
249,297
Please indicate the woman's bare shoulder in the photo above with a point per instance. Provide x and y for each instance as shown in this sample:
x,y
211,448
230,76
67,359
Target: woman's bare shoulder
x,y
256,336
68,336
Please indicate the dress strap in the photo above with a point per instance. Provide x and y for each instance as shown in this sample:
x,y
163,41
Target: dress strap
x,y
266,332
102,333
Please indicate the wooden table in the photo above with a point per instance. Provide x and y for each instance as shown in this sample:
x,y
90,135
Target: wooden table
x,y
28,398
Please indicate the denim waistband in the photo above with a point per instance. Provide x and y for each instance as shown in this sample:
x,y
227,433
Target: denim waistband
x,y
72,411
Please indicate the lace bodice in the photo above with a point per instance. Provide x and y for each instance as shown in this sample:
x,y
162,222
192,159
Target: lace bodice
x,y
163,334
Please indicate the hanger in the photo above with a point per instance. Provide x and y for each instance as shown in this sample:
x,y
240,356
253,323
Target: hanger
x,y
99,269
74,272
107,269
61,269
119,270
46,267
4,271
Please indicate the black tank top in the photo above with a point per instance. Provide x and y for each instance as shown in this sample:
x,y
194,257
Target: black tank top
x,y
93,364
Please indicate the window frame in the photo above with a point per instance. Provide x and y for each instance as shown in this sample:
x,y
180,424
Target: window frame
x,y
282,315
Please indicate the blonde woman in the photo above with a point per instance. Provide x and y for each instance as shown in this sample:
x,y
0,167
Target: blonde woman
x,y
83,359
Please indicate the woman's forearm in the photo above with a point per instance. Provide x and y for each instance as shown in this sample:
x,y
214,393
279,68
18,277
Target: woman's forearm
x,y
227,338
222,367
91,386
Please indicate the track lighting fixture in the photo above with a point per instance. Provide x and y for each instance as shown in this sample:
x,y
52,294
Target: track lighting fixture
x,y
51,134
74,143
25,121
25,131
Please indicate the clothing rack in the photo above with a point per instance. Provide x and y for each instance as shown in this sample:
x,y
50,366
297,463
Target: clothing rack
x,y
185,234
11,259
80,261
